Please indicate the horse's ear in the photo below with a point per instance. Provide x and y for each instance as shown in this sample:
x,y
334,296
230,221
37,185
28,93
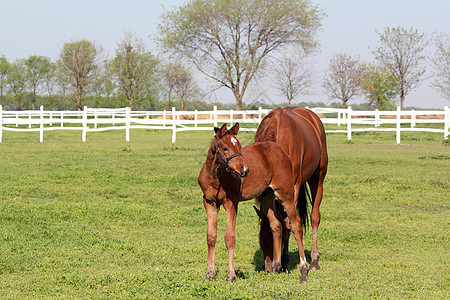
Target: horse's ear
x,y
235,129
220,132
260,213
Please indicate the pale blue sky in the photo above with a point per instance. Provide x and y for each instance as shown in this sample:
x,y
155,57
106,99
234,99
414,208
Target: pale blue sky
x,y
42,27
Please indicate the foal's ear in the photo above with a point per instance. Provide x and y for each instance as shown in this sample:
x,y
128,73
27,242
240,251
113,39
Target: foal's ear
x,y
260,213
235,129
220,132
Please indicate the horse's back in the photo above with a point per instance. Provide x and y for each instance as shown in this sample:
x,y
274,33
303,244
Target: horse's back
x,y
300,133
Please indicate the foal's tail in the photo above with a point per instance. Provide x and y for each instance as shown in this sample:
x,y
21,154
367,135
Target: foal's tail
x,y
302,205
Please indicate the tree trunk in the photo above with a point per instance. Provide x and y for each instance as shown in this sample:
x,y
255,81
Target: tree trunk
x,y
238,97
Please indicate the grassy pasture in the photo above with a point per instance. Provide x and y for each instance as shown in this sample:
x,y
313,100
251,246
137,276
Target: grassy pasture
x,y
110,219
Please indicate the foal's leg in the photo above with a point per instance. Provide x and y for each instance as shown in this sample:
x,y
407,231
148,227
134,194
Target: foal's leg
x,y
296,227
212,214
277,229
316,186
230,237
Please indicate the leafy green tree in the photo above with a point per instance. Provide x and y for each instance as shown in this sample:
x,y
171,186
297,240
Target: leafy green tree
x,y
135,69
79,59
228,40
4,70
37,67
50,83
17,80
379,87
401,52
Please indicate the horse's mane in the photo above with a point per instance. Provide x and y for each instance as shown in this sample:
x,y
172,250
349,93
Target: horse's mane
x,y
267,130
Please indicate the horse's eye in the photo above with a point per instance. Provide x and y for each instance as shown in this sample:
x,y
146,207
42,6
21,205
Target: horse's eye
x,y
225,149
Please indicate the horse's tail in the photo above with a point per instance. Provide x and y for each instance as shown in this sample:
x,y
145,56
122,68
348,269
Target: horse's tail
x,y
302,205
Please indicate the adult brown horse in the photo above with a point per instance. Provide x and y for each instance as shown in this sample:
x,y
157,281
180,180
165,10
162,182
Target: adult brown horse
x,y
232,174
300,133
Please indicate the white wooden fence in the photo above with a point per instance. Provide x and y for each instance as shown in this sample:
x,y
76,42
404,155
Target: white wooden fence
x,y
101,119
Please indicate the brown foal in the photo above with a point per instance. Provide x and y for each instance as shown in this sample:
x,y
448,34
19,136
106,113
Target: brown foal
x,y
232,174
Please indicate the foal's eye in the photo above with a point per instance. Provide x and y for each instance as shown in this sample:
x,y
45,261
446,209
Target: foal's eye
x,y
225,149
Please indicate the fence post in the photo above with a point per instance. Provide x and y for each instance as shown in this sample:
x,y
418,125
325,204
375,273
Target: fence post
x,y
195,118
164,118
127,124
1,123
446,121
215,116
174,126
377,118
29,120
398,125
413,118
41,124
259,114
62,119
83,136
349,123
231,117
95,118
339,119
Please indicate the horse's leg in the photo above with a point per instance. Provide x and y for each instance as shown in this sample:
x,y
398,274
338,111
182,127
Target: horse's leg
x,y
277,229
316,186
230,237
212,211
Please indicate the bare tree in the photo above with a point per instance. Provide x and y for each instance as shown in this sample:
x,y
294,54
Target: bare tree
x,y
228,40
441,64
401,52
79,59
294,76
343,78
178,80
134,66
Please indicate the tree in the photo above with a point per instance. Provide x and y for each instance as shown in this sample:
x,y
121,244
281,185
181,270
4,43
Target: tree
x,y
37,67
4,70
50,82
79,59
135,68
379,87
293,76
343,78
229,40
401,52
441,64
17,80
179,81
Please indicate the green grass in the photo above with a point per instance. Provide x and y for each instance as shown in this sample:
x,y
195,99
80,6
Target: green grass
x,y
111,219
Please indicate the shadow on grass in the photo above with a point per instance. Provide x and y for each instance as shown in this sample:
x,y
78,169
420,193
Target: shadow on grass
x,y
294,259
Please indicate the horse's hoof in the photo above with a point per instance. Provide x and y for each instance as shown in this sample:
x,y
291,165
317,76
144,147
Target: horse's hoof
x,y
210,275
314,265
304,271
276,267
231,276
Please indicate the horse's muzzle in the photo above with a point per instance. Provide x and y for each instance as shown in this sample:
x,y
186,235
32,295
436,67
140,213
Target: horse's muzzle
x,y
244,172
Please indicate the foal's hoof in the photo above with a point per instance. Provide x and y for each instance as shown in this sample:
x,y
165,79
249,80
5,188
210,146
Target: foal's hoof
x,y
314,265
304,271
276,267
210,274
231,276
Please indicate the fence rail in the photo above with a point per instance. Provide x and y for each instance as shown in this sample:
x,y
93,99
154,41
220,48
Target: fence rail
x,y
102,119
